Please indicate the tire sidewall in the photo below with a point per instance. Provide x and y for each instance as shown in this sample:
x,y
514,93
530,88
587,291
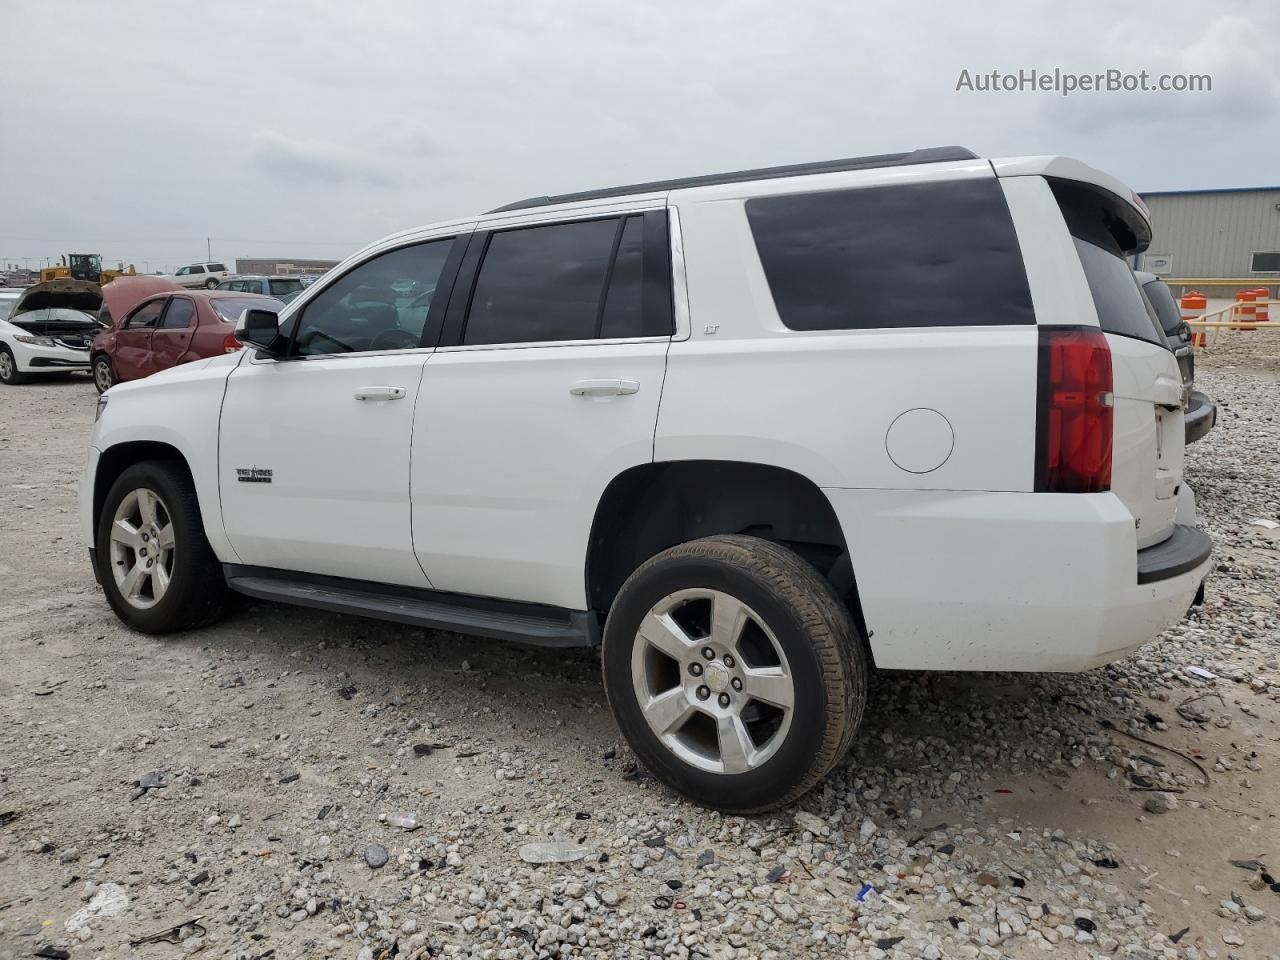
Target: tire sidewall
x,y
794,758
162,480
15,376
103,359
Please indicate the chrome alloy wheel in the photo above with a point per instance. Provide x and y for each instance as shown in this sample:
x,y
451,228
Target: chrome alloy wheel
x,y
142,548
6,365
712,681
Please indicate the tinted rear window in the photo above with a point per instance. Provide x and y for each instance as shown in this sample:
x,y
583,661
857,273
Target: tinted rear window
x,y
917,255
1103,238
1120,305
1161,298
284,286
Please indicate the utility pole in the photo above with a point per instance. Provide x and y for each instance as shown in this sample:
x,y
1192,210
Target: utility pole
x,y
208,249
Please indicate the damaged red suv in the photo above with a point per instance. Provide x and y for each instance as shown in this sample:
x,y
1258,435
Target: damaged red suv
x,y
146,332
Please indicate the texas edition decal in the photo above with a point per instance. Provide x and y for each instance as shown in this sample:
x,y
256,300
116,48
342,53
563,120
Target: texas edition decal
x,y
253,474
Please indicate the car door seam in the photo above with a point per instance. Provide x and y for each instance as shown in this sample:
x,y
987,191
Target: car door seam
x,y
413,432
222,516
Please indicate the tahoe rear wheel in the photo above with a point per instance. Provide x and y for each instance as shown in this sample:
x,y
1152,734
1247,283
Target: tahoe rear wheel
x,y
104,377
734,671
156,567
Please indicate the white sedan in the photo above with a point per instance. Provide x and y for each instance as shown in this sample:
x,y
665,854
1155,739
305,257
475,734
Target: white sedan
x,y
43,340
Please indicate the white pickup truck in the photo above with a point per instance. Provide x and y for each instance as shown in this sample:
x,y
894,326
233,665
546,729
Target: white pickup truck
x,y
751,433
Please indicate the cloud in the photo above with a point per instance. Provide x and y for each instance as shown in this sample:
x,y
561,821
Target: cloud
x,y
313,160
333,123
1244,86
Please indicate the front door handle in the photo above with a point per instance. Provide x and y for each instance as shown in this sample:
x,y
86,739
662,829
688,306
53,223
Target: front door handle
x,y
604,388
380,393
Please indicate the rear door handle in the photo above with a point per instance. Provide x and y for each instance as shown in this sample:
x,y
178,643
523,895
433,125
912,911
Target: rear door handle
x,y
604,388
380,393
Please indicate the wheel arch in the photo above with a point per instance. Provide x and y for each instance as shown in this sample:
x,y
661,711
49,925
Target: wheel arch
x,y
653,506
115,460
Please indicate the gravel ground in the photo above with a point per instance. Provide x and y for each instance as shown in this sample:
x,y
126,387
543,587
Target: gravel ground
x,y
307,785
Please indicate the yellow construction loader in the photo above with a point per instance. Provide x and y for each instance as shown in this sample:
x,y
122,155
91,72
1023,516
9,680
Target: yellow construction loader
x,y
84,266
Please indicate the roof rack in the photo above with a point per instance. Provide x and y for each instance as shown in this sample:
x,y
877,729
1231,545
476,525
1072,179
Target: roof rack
x,y
926,155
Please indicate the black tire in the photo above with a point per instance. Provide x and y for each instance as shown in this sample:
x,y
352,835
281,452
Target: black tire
x,y
825,655
196,594
9,374
103,373
210,283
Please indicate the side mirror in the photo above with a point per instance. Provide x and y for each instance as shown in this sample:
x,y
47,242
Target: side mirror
x,y
261,329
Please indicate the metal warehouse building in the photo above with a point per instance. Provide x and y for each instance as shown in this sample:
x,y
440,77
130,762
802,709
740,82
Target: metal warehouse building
x,y
282,266
1231,234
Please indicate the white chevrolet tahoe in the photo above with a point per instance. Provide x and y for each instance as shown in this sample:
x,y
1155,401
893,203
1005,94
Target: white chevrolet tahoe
x,y
750,433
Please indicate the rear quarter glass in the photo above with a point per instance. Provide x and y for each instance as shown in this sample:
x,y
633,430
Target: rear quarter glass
x,y
910,255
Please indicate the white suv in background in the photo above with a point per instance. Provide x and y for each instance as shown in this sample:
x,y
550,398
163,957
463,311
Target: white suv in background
x,y
750,433
207,275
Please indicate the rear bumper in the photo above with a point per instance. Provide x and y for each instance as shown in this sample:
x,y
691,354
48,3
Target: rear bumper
x,y
1201,416
1011,581
1186,549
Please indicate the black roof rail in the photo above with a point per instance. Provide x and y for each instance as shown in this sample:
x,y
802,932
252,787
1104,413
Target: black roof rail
x,y
926,155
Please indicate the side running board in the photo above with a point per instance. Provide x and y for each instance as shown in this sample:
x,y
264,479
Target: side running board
x,y
535,624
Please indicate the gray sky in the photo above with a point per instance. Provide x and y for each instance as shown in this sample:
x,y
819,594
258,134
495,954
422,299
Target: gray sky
x,y
308,129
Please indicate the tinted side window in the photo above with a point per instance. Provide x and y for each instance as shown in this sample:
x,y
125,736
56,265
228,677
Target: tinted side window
x,y
622,304
541,283
917,255
179,314
147,315
217,268
380,305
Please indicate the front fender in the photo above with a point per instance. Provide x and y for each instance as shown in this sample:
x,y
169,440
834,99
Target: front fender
x,y
180,408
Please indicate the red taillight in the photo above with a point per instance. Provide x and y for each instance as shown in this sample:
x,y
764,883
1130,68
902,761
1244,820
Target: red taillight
x,y
1074,411
230,344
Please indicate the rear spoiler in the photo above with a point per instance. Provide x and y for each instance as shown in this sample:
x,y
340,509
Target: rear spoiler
x,y
1130,206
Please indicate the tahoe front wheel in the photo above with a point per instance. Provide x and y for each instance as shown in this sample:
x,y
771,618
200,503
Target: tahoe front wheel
x,y
734,671
155,564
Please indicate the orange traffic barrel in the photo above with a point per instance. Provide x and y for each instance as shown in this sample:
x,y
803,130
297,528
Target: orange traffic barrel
x,y
1246,313
1193,305
1262,311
